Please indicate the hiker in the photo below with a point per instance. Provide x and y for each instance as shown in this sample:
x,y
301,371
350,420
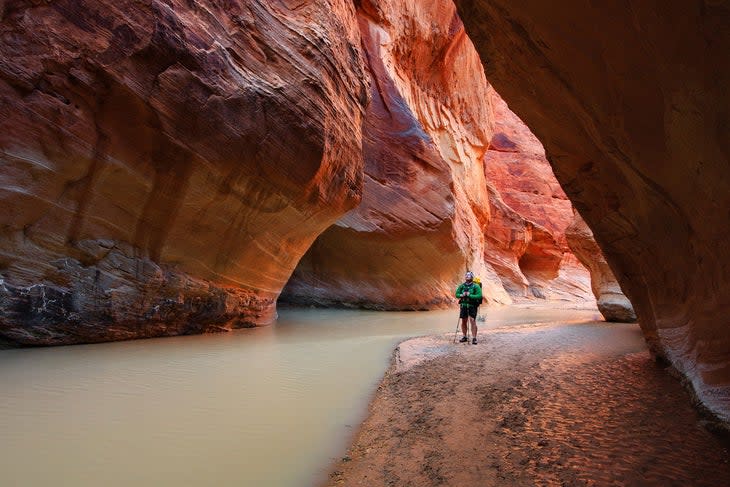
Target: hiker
x,y
470,296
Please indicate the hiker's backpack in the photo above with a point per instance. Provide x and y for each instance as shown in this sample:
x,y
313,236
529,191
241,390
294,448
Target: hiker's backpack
x,y
479,283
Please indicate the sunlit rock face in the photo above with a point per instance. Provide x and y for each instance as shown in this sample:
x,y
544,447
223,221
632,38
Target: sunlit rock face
x,y
612,303
428,211
425,201
166,164
631,103
529,214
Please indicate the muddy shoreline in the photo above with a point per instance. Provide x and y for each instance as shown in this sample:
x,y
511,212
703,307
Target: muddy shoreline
x,y
542,404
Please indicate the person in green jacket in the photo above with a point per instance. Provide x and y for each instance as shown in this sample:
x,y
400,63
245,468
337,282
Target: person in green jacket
x,y
470,297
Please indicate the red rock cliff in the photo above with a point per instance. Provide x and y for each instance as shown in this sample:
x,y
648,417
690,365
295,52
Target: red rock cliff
x,y
631,102
526,235
453,179
166,164
425,204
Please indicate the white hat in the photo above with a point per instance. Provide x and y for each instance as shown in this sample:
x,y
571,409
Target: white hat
x,y
469,275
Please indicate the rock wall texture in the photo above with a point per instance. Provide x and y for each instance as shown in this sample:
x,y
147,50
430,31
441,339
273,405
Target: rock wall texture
x,y
165,164
529,214
453,180
632,105
612,303
425,203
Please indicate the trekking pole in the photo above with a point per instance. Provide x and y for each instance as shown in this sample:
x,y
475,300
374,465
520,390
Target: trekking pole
x,y
456,332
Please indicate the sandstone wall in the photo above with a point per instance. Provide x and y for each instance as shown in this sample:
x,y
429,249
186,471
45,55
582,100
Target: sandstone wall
x,y
166,164
453,180
425,204
525,239
612,303
631,102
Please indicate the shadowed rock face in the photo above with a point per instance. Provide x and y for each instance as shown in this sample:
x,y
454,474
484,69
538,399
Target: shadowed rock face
x,y
612,303
166,164
631,103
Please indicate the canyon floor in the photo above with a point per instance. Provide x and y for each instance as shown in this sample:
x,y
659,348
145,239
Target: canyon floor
x,y
546,404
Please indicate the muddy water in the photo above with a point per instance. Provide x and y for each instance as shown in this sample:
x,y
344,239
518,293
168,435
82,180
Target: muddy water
x,y
270,406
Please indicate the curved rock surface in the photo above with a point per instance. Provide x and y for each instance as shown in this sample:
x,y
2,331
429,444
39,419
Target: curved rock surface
x,y
530,212
166,164
612,303
631,103
425,204
433,199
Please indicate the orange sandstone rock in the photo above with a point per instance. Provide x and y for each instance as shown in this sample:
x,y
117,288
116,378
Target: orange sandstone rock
x,y
420,223
428,211
526,235
612,303
631,103
166,164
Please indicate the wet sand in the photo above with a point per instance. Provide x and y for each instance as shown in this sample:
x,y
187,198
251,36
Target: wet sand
x,y
549,404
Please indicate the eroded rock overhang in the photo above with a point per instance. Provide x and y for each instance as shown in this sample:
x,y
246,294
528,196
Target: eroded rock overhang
x,y
631,102
166,164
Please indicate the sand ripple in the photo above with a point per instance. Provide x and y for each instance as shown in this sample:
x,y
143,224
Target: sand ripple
x,y
553,405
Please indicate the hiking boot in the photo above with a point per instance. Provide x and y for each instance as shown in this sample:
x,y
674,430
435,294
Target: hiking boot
x,y
463,340
473,341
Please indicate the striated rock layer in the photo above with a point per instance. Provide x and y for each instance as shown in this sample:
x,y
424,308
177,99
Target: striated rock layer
x,y
166,164
612,303
530,212
425,204
453,180
632,105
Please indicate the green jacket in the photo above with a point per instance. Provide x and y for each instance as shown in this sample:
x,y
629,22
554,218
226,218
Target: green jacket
x,y
475,294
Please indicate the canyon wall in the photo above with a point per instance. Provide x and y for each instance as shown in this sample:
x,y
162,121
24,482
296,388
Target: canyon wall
x,y
525,239
419,226
612,303
166,164
434,138
631,103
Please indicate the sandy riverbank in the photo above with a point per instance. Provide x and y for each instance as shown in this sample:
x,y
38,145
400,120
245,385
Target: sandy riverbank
x,y
547,404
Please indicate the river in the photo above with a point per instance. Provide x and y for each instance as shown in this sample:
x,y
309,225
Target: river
x,y
271,406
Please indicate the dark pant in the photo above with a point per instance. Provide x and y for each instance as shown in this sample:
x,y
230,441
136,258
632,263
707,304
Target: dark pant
x,y
468,311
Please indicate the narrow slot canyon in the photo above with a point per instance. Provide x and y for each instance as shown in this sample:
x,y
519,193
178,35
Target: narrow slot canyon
x,y
265,180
